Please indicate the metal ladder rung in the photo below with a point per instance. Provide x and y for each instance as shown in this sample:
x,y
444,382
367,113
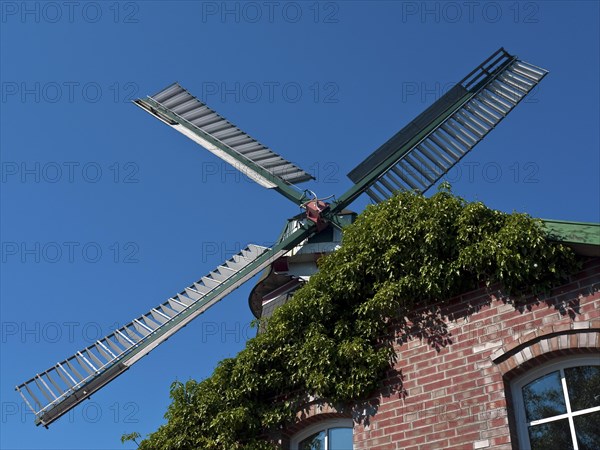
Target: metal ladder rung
x,y
176,305
196,290
510,72
458,135
524,84
176,100
431,152
141,328
132,333
186,107
255,249
484,111
86,361
404,178
209,119
373,196
73,369
448,139
160,317
46,391
56,386
448,150
209,282
248,147
505,91
415,165
205,119
185,300
380,190
94,358
486,101
472,137
469,124
508,105
221,125
105,351
124,338
61,371
190,116
237,263
240,143
531,68
497,100
524,73
224,134
387,184
167,310
513,84
219,276
411,172
394,181
35,399
112,344
149,320
471,118
423,160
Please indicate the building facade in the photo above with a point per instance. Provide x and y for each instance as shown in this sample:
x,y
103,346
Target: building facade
x,y
480,371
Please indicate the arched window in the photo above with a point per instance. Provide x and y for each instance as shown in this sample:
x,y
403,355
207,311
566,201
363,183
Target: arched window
x,y
335,434
557,405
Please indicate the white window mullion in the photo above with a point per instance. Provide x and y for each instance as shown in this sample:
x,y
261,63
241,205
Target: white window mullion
x,y
563,381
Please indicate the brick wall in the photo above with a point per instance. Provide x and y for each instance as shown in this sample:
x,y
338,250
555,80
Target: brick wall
x,y
449,388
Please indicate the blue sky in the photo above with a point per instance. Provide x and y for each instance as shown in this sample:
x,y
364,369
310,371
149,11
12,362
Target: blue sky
x,y
106,212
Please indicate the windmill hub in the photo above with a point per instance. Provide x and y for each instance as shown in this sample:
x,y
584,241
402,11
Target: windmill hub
x,y
316,211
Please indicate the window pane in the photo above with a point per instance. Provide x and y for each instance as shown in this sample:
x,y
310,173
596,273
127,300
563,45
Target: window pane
x,y
314,442
544,397
340,439
551,436
587,429
583,384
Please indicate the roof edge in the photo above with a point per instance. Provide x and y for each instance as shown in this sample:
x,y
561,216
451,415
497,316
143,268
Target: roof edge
x,y
583,237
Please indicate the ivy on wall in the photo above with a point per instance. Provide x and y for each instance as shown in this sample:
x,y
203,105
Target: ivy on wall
x,y
326,343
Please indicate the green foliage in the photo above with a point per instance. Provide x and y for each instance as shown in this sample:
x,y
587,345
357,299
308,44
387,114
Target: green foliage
x,y
327,342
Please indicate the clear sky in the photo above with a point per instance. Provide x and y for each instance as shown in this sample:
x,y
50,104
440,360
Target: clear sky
x,y
106,212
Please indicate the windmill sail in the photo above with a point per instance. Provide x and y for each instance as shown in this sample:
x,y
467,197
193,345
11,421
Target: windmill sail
x,y
52,393
428,147
178,108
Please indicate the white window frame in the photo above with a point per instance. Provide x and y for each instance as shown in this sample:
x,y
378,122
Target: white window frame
x,y
519,383
320,426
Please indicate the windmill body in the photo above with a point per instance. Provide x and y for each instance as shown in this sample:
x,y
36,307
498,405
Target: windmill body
x,y
415,158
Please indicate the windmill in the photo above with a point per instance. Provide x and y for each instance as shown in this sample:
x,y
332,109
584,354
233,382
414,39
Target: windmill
x,y
415,158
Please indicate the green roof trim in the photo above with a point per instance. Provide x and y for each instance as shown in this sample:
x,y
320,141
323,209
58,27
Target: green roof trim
x,y
582,233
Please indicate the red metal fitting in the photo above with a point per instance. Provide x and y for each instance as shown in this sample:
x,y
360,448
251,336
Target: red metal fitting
x,y
314,210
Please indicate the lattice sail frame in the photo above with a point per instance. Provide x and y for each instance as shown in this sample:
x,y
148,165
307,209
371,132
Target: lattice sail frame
x,y
428,147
